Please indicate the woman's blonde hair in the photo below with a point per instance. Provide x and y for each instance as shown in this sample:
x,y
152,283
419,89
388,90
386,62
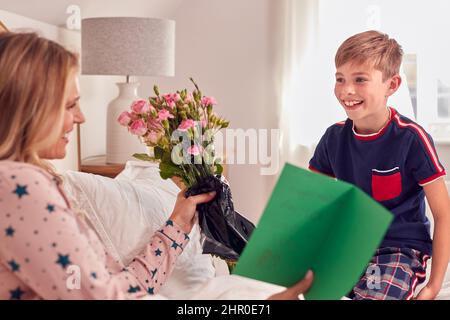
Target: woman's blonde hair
x,y
33,78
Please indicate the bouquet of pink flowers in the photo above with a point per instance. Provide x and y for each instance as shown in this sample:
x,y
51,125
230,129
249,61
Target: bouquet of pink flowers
x,y
180,128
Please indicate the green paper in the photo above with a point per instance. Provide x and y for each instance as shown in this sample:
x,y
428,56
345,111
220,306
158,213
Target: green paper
x,y
318,223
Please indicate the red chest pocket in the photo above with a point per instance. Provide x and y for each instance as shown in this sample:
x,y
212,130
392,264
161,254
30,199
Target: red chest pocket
x,y
386,184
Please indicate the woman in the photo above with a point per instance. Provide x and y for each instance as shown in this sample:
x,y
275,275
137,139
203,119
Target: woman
x,y
47,251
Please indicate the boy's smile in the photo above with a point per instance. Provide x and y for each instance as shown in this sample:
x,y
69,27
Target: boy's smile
x,y
363,94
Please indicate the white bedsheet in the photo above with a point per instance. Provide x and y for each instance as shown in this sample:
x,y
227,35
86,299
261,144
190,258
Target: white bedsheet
x,y
234,287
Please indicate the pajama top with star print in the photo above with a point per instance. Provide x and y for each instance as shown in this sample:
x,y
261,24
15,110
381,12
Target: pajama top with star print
x,y
49,252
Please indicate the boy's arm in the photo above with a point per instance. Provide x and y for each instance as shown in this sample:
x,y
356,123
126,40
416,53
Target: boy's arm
x,y
438,199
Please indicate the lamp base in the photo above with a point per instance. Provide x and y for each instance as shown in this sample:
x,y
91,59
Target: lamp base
x,y
120,144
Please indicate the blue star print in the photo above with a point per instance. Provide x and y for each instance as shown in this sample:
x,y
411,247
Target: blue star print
x,y
158,252
50,208
186,237
94,275
169,223
151,290
63,260
21,191
175,245
14,266
10,231
134,289
16,294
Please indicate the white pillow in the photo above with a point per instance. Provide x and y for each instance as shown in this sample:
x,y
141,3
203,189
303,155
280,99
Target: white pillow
x,y
128,210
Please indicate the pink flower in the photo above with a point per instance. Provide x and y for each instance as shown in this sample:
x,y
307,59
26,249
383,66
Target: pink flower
x,y
140,106
154,125
164,115
194,150
167,97
138,127
171,99
186,125
206,101
124,118
188,98
134,116
153,136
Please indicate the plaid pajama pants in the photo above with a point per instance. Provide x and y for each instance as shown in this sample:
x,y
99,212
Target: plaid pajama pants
x,y
392,274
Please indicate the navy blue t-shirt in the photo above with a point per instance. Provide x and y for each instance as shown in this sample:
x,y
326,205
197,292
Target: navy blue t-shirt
x,y
391,166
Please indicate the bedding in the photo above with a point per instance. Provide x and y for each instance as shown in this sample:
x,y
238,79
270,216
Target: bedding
x,y
232,287
127,210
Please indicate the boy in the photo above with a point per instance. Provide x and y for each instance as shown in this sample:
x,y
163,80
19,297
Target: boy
x,y
393,160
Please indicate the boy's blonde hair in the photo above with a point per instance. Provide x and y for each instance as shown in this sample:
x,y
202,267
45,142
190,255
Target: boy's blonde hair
x,y
33,78
374,47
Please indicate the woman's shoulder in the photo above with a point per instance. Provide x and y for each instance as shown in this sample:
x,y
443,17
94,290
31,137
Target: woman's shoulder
x,y
13,170
28,184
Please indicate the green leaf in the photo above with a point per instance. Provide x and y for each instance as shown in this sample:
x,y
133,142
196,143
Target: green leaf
x,y
165,175
195,84
143,157
168,170
219,169
156,89
153,102
159,152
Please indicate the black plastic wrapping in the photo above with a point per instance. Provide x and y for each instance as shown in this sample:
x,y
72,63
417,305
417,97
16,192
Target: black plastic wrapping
x,y
224,230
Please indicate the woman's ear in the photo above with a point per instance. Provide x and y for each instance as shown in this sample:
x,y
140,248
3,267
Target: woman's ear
x,y
394,84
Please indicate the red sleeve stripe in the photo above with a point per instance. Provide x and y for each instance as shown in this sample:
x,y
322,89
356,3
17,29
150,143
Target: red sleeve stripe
x,y
413,288
425,140
318,171
432,178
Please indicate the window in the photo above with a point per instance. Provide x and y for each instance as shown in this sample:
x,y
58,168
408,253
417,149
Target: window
x,y
421,28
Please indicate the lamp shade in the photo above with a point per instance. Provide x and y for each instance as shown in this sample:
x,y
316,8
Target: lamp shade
x,y
128,46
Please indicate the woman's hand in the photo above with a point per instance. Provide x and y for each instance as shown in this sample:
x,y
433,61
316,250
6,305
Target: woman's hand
x,y
293,292
184,212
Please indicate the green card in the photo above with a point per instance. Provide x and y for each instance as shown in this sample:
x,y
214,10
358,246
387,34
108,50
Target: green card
x,y
318,223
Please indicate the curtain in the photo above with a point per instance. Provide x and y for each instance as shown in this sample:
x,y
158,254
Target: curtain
x,y
298,48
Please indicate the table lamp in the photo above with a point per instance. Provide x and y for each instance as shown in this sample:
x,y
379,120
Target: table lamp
x,y
126,46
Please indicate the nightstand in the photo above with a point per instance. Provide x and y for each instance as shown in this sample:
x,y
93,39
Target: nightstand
x,y
98,165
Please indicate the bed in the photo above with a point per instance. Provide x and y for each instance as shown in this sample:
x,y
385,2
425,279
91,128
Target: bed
x,y
127,210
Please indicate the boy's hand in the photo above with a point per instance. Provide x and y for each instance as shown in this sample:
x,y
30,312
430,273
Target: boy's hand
x,y
293,292
427,293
